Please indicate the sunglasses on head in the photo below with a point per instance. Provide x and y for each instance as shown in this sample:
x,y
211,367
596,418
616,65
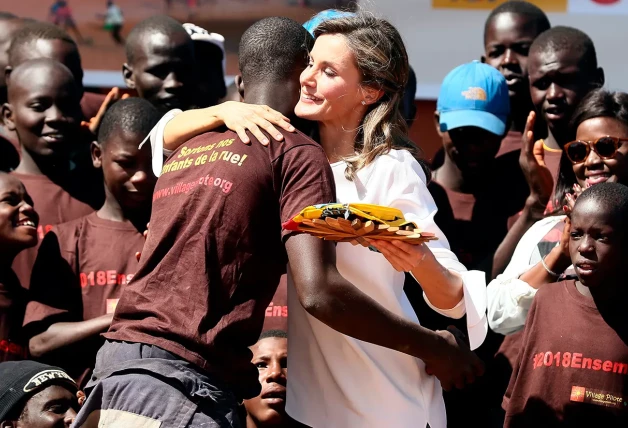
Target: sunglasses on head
x,y
605,147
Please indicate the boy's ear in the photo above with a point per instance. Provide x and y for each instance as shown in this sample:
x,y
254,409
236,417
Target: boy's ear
x,y
7,424
127,73
7,116
96,154
240,85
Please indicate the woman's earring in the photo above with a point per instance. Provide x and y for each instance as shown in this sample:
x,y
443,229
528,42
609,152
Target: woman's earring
x,y
363,102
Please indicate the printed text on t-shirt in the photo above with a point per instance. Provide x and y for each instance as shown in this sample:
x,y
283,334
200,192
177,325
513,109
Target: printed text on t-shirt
x,y
576,360
188,157
104,277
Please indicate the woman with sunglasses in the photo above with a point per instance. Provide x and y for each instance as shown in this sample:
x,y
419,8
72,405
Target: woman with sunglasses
x,y
598,153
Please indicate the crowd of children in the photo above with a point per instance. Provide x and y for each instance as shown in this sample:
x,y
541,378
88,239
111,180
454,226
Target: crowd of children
x,y
513,317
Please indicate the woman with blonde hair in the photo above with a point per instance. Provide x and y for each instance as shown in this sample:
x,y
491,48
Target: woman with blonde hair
x,y
352,87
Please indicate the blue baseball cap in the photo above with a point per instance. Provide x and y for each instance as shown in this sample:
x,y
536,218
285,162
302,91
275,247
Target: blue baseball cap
x,y
325,15
474,94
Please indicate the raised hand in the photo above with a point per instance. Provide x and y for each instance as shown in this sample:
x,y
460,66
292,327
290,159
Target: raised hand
x,y
454,365
536,172
113,96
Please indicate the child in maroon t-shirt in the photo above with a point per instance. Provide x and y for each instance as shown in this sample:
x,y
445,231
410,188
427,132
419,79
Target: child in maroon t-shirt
x,y
83,265
18,231
573,367
44,111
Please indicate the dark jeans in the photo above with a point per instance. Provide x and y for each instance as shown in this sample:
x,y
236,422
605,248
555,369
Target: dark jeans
x,y
138,385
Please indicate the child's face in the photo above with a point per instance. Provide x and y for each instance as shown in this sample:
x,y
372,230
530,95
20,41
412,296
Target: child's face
x,y
18,219
508,40
596,244
557,84
44,110
471,148
164,71
270,356
126,170
594,169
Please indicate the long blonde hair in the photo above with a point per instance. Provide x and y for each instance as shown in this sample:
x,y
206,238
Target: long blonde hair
x,y
382,60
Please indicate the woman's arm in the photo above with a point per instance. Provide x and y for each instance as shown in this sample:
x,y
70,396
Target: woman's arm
x,y
62,334
442,286
238,117
510,295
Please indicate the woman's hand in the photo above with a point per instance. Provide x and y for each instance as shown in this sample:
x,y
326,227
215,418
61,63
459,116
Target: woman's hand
x,y
536,172
240,117
402,256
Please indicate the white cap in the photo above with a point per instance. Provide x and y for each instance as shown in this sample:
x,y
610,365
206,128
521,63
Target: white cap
x,y
200,34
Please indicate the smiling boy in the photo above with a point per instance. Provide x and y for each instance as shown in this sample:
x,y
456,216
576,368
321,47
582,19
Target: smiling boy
x,y
44,111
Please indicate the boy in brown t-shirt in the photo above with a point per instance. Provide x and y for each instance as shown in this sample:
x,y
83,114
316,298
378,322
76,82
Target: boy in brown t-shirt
x,y
572,370
18,231
45,113
83,265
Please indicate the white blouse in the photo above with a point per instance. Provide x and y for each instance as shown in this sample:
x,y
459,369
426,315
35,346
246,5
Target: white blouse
x,y
338,381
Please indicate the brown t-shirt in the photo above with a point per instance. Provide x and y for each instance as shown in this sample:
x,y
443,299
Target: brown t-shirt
x,y
12,303
215,251
81,269
55,205
510,143
573,367
276,317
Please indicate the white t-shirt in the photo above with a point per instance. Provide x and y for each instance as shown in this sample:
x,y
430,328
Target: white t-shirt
x,y
338,381
509,298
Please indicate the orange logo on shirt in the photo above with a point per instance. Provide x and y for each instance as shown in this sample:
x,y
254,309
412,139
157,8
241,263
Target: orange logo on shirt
x,y
474,93
577,393
111,305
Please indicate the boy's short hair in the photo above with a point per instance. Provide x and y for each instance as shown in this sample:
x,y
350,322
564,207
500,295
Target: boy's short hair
x,y
612,196
523,8
159,24
272,48
561,38
273,333
133,115
34,31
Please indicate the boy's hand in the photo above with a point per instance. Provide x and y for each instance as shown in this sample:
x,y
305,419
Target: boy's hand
x,y
240,117
455,365
113,96
80,395
138,255
536,172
